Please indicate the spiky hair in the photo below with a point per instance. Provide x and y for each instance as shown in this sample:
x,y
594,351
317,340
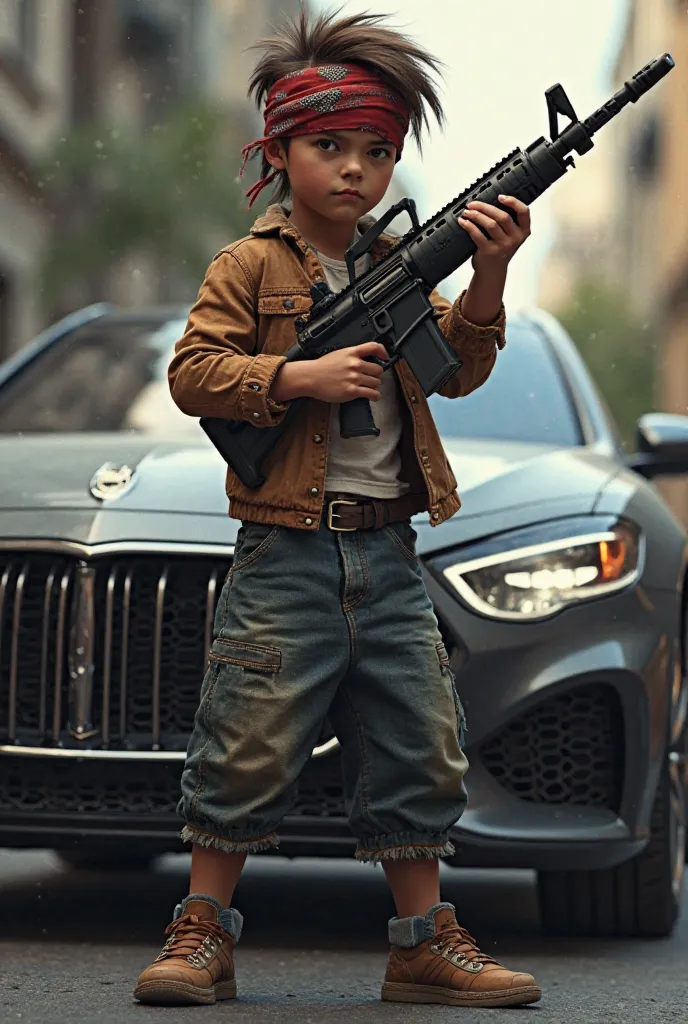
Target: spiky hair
x,y
306,41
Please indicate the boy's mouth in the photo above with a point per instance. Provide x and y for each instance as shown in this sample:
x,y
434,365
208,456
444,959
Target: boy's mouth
x,y
349,192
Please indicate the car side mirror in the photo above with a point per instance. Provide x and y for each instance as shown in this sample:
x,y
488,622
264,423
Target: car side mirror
x,y
662,443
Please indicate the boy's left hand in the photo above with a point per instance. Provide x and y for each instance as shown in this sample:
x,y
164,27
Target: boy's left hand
x,y
506,235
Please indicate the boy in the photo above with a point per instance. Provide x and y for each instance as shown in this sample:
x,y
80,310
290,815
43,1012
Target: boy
x,y
324,612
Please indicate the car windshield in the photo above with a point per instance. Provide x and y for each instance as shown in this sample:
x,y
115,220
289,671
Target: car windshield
x,y
111,375
525,400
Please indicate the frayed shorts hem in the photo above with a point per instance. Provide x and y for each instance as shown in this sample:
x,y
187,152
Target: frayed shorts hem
x,y
189,834
383,850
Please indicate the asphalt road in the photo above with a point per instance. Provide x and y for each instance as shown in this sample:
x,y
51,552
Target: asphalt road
x,y
313,951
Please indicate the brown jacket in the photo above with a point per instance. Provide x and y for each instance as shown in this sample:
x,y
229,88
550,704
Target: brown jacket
x,y
224,364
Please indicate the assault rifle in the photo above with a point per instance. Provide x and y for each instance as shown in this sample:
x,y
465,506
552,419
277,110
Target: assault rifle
x,y
390,302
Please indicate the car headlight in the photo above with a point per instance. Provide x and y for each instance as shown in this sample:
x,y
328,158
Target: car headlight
x,y
538,580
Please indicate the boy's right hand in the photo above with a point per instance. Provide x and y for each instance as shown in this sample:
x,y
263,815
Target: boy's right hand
x,y
337,377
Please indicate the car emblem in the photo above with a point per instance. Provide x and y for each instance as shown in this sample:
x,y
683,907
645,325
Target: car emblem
x,y
111,481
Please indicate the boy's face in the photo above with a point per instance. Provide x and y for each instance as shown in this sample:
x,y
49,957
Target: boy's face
x,y
322,166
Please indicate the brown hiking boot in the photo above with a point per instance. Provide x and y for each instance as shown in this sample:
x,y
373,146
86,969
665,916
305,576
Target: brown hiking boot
x,y
446,966
195,965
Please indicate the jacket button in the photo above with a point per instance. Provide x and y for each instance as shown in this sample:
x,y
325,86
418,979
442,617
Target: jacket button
x,y
434,515
288,303
254,387
318,438
315,492
414,398
256,415
308,521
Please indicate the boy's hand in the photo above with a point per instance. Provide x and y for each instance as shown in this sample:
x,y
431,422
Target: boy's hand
x,y
337,377
506,236
347,373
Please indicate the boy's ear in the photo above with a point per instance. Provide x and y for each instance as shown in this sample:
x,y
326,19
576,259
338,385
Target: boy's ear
x,y
275,154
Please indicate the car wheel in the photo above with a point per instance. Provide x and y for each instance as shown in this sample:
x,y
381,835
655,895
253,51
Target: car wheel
x,y
643,896
98,858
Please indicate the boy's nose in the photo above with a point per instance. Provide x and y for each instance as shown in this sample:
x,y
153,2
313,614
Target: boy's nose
x,y
353,167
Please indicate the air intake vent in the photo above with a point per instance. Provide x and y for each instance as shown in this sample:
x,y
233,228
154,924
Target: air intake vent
x,y
567,750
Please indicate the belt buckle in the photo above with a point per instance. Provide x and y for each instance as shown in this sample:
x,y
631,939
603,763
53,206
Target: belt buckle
x,y
333,515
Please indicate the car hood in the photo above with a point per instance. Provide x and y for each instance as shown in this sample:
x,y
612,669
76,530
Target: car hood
x,y
494,475
42,472
56,471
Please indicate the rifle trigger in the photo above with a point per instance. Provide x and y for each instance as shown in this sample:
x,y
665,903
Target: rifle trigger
x,y
382,322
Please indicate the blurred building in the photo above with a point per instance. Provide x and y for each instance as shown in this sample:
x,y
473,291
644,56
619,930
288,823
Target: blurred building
x,y
35,106
652,212
65,63
605,209
623,218
580,205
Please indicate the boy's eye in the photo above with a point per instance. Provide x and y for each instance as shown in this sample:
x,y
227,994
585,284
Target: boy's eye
x,y
324,143
379,152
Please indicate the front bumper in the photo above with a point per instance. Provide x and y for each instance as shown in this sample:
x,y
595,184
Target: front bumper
x,y
584,838
618,654
506,673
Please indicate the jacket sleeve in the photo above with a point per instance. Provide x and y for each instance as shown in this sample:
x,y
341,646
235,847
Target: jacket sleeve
x,y
214,371
475,345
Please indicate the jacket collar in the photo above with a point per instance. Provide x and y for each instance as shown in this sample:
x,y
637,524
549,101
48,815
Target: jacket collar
x,y
276,222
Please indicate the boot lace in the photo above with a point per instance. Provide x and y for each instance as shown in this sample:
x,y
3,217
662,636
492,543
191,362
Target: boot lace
x,y
196,940
459,946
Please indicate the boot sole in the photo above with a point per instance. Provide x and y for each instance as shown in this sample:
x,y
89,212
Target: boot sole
x,y
177,993
399,992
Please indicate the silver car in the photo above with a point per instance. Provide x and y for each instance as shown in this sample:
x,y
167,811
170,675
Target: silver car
x,y
560,589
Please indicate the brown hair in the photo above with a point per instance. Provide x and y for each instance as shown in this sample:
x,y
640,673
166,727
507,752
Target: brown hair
x,y
354,39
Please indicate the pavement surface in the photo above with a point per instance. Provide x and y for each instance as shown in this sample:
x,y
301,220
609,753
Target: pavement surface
x,y
314,948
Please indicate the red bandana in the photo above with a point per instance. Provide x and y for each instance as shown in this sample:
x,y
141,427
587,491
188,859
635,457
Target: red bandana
x,y
333,97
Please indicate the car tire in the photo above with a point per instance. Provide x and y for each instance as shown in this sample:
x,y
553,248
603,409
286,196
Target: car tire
x,y
639,898
98,858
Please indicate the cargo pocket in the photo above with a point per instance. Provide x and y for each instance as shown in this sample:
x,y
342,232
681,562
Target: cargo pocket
x,y
445,666
253,657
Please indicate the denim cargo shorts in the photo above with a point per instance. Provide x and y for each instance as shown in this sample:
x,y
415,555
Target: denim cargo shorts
x,y
337,625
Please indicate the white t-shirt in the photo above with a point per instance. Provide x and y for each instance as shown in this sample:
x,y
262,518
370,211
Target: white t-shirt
x,y
365,465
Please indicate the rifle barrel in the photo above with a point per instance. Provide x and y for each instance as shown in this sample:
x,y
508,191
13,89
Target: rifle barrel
x,y
630,92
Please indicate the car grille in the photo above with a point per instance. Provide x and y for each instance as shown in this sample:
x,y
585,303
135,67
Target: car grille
x,y
566,750
64,786
136,626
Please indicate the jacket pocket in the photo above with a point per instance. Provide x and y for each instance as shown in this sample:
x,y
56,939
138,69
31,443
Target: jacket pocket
x,y
277,309
257,657
283,302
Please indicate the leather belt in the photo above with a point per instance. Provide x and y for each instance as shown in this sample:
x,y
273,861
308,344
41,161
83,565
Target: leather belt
x,y
347,512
